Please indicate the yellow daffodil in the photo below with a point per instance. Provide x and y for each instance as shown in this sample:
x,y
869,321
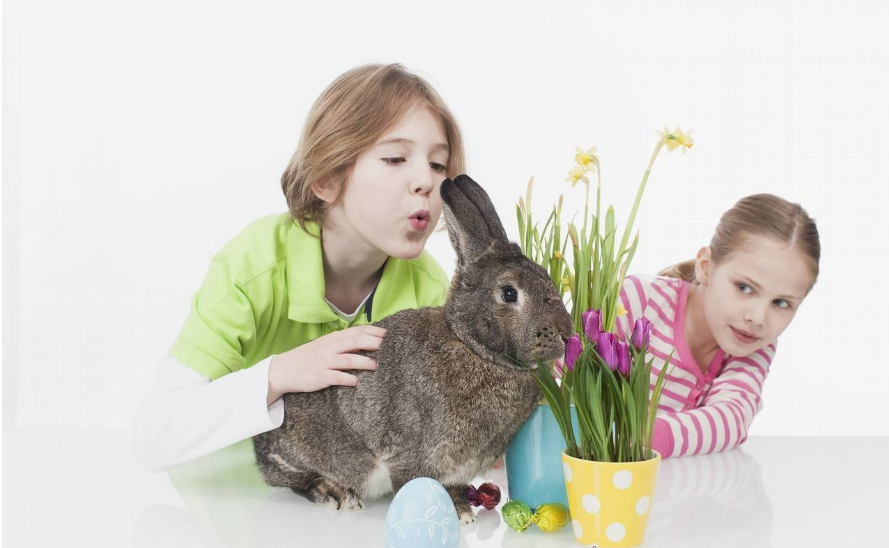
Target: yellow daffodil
x,y
620,310
676,139
587,160
577,174
557,255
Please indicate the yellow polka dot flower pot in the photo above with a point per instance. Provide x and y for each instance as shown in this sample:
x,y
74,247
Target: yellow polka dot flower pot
x,y
610,501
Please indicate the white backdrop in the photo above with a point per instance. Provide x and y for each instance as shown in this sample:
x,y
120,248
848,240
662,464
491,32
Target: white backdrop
x,y
139,137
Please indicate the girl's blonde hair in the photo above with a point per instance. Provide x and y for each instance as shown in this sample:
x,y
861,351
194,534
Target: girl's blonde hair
x,y
759,215
353,112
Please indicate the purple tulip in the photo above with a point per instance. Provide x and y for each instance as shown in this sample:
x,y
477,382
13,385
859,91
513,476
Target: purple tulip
x,y
623,358
641,333
572,350
607,348
592,324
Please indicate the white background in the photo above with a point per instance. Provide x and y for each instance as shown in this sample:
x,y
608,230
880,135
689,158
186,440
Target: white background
x,y
139,137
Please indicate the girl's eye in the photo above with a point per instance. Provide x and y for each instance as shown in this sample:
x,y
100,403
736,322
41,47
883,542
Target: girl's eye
x,y
398,161
777,300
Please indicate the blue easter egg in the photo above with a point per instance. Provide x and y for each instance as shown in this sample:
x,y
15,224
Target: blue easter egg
x,y
422,515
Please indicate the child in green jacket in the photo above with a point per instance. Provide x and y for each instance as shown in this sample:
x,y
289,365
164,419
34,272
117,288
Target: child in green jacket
x,y
285,304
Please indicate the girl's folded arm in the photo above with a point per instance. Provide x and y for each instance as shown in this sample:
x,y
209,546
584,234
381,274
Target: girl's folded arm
x,y
727,412
187,416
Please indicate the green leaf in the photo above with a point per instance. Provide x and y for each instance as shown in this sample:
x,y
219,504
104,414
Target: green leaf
x,y
528,193
609,220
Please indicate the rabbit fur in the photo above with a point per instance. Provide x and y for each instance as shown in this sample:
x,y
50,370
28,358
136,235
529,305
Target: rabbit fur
x,y
448,394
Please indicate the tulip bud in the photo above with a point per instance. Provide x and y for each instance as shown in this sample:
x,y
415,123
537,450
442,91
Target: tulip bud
x,y
641,333
607,348
623,359
592,324
572,351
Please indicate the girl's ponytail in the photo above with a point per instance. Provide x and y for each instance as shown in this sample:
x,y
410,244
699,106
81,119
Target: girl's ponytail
x,y
684,271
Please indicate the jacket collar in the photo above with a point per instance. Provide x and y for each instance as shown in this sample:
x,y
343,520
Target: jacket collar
x,y
305,282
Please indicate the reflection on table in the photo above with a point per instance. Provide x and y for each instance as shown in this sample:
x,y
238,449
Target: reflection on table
x,y
701,500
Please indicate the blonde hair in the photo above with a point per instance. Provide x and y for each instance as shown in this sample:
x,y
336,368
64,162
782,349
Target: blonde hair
x,y
759,215
353,112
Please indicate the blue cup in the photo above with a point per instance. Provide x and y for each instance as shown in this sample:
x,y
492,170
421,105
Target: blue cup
x,y
534,459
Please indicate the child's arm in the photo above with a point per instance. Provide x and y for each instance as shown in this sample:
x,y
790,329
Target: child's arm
x,y
722,421
186,416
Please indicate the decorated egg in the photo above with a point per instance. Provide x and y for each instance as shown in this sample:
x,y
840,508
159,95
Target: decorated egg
x,y
422,515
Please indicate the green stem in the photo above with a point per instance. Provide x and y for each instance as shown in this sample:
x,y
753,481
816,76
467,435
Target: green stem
x,y
597,275
586,207
629,227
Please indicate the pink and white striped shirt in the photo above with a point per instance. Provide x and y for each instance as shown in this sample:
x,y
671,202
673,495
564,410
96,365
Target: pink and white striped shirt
x,y
698,413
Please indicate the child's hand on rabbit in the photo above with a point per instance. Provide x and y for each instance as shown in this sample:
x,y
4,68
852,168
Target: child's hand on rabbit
x,y
322,362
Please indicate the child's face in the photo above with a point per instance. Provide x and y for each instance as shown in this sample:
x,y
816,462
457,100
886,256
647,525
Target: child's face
x,y
395,179
757,290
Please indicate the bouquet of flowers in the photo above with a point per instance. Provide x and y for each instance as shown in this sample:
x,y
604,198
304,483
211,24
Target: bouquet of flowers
x,y
606,378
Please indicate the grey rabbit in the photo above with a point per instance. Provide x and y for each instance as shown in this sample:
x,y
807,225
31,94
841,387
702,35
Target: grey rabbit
x,y
448,394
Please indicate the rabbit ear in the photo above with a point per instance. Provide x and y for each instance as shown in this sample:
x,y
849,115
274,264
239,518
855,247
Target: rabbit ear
x,y
472,220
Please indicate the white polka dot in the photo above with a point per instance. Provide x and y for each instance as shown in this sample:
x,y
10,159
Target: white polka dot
x,y
642,506
623,479
591,503
616,532
567,470
578,531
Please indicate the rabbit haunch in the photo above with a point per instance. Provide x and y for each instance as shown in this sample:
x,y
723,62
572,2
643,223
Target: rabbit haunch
x,y
453,384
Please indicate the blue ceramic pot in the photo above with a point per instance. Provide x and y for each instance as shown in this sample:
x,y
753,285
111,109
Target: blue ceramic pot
x,y
534,459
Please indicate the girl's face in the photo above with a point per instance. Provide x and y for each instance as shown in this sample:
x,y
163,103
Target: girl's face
x,y
391,200
757,292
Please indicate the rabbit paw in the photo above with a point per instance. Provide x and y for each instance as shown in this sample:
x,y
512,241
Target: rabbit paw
x,y
326,493
467,517
351,502
458,496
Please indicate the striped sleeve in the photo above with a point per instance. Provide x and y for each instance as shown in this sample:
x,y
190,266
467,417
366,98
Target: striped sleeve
x,y
633,298
725,415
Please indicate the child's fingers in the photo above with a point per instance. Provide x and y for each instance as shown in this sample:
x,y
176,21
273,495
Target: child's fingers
x,y
358,330
342,379
374,330
354,361
359,341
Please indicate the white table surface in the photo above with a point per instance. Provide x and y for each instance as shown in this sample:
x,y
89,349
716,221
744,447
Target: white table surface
x,y
85,488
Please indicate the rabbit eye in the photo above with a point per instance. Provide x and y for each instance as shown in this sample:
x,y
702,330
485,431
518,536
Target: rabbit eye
x,y
510,294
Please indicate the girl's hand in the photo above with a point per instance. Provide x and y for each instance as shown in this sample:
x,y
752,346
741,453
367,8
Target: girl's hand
x,y
320,363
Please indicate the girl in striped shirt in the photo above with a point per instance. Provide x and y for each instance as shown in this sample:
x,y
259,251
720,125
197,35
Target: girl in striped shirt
x,y
721,314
